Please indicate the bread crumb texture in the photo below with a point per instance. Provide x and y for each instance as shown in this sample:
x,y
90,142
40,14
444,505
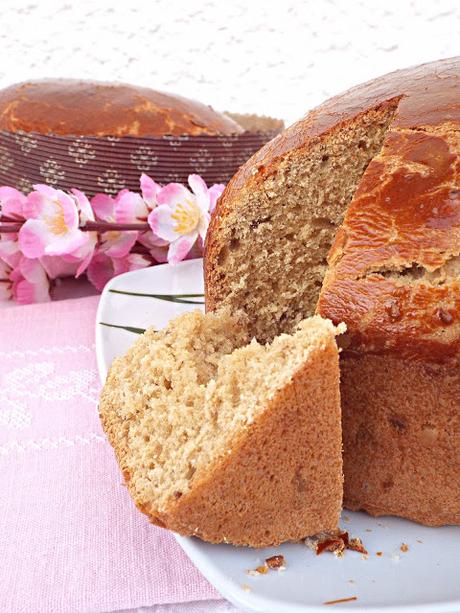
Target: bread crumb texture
x,y
225,438
268,256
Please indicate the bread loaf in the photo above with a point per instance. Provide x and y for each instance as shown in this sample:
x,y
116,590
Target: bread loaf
x,y
71,107
229,441
360,201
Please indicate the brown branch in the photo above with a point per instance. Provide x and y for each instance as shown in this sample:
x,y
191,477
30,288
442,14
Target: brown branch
x,y
12,225
10,228
106,226
10,219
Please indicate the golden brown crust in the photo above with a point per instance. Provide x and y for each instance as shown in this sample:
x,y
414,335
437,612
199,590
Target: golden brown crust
x,y
429,96
393,275
401,430
281,479
394,279
90,108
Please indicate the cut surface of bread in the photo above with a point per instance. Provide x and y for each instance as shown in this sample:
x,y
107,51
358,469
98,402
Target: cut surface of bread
x,y
268,243
268,258
373,240
226,439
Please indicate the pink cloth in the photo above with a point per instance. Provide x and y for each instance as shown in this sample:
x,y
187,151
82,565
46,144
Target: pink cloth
x,y
70,537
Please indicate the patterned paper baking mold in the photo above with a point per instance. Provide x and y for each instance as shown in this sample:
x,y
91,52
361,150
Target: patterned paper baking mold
x,y
108,164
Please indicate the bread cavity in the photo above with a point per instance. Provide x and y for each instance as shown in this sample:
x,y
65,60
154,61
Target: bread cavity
x,y
269,258
182,398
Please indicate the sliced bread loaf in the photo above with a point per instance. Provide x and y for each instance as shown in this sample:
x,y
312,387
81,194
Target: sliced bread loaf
x,y
226,439
374,172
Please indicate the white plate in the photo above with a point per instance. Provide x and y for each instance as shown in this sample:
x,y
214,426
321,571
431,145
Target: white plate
x,y
425,578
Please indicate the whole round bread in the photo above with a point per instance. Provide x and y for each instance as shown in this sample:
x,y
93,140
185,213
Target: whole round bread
x,y
354,212
71,107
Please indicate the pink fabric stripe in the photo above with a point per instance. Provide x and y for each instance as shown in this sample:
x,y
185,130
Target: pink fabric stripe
x,y
70,537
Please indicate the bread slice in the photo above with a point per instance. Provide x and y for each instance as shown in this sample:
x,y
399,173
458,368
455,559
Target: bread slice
x,y
226,439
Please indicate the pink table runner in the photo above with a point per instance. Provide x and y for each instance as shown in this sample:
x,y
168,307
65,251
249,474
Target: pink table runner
x,y
70,537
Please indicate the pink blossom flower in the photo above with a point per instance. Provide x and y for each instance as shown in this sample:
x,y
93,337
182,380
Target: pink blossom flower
x,y
29,282
12,203
103,205
150,191
59,266
53,242
52,226
130,207
102,267
215,192
6,285
75,263
84,253
21,278
182,216
157,246
114,243
83,206
10,252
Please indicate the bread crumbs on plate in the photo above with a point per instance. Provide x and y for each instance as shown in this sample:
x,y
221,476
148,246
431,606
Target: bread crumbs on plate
x,y
404,547
276,562
341,600
335,542
245,587
273,563
356,544
262,569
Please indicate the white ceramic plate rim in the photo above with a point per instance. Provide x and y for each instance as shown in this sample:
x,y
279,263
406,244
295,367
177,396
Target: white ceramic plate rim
x,y
270,605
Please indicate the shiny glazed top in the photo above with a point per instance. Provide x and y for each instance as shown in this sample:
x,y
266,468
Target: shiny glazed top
x,y
393,266
71,107
394,274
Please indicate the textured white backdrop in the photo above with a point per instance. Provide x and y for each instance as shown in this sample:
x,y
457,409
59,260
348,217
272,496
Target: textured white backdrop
x,y
279,58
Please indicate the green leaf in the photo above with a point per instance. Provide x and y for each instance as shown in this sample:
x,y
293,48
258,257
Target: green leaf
x,y
127,328
178,298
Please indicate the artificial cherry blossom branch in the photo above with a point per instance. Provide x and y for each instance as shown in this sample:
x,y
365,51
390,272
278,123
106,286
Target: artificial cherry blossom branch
x,y
50,233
